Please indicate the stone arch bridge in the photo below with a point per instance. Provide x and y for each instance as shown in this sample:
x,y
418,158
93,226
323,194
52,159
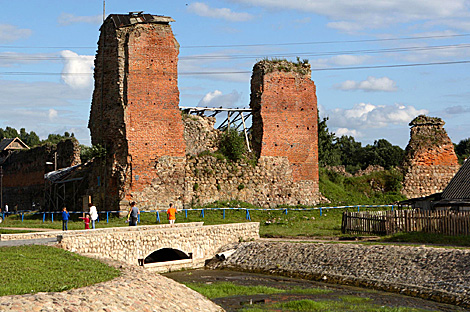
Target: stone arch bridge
x,y
193,243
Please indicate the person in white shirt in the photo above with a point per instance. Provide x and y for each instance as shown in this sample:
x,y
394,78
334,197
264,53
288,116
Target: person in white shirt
x,y
93,214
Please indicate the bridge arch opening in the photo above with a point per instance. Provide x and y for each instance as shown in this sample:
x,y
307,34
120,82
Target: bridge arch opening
x,y
166,254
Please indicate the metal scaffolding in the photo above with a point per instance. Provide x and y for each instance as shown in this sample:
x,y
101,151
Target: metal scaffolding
x,y
235,118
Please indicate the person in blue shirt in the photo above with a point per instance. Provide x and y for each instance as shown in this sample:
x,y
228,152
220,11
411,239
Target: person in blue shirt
x,y
65,219
133,215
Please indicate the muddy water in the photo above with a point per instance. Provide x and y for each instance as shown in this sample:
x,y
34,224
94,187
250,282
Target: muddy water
x,y
235,303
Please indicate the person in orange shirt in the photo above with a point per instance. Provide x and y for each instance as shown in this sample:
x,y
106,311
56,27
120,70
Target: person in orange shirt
x,y
172,214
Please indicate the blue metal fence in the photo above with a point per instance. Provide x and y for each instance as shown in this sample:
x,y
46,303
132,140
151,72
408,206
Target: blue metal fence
x,y
202,211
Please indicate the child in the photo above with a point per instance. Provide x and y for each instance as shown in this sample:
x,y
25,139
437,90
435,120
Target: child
x,y
87,221
171,214
65,219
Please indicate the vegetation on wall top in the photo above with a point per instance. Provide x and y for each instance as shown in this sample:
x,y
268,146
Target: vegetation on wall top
x,y
275,64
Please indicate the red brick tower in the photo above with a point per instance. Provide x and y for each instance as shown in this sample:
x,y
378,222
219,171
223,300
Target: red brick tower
x,y
134,112
285,121
430,160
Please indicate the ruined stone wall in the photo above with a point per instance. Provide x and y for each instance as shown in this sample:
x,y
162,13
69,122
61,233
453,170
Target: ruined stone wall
x,y
269,183
284,106
23,180
200,134
430,160
135,116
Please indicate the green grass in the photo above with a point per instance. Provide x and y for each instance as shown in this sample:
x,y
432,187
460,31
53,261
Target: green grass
x,y
429,238
352,304
339,303
7,231
31,269
227,289
273,223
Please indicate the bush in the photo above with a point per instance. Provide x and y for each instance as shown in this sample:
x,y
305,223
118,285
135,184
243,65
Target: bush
x,y
232,144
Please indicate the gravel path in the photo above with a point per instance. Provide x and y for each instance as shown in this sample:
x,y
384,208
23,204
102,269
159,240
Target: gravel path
x,y
431,273
135,290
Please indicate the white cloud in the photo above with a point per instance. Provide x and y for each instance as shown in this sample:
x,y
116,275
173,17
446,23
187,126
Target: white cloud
x,y
339,60
367,116
348,132
218,99
52,113
10,33
78,69
45,107
353,15
66,19
383,84
203,9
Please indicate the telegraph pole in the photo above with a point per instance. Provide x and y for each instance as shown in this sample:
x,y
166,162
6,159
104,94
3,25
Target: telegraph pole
x,y
104,10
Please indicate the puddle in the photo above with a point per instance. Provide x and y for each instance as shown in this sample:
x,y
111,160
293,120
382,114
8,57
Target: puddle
x,y
236,303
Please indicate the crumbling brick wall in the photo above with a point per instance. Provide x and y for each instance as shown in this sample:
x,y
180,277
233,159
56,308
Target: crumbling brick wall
x,y
134,112
23,180
430,161
284,106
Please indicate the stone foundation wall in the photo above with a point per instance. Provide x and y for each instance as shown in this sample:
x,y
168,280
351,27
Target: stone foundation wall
x,y
438,274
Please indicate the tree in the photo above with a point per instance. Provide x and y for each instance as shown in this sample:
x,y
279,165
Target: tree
x,y
462,149
350,152
328,154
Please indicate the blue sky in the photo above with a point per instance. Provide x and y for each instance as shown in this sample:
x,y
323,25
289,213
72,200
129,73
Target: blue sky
x,y
47,49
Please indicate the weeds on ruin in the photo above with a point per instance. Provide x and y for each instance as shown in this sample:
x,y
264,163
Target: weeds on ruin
x,y
232,145
283,65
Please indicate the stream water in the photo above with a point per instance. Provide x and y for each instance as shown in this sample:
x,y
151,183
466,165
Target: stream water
x,y
336,292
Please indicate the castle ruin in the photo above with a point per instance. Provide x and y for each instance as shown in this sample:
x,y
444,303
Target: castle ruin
x,y
150,156
430,159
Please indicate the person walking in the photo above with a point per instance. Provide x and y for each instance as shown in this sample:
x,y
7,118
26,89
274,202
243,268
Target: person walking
x,y
93,214
172,214
133,215
65,219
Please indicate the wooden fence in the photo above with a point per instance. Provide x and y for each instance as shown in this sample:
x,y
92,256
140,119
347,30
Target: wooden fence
x,y
390,222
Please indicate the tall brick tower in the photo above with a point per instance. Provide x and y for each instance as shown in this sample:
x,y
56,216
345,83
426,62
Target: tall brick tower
x,y
134,112
430,160
285,121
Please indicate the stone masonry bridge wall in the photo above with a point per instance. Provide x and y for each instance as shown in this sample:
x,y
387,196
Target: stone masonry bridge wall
x,y
134,243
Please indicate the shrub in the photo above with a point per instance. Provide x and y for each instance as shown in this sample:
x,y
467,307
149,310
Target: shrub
x,y
232,144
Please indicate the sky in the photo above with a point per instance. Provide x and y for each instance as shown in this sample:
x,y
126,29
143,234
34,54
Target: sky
x,y
376,64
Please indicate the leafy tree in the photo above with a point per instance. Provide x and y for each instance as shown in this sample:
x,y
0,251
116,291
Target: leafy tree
x,y
31,139
56,138
328,154
88,153
462,149
350,152
8,133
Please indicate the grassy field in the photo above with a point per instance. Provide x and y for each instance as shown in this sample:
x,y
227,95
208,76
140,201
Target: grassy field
x,y
31,269
273,223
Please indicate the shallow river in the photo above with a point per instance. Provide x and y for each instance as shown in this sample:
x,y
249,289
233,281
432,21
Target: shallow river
x,y
235,303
